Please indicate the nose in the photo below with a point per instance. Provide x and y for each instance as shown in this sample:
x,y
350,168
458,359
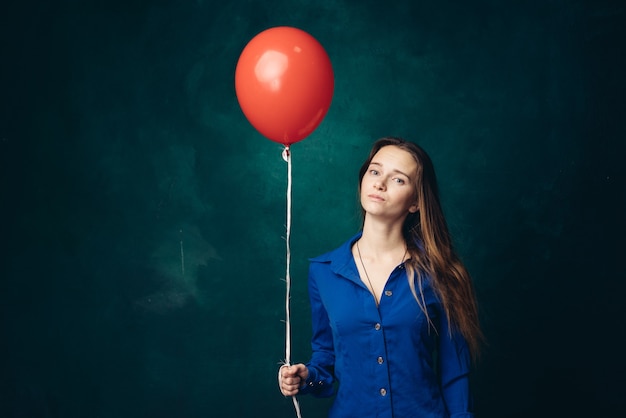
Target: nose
x,y
379,184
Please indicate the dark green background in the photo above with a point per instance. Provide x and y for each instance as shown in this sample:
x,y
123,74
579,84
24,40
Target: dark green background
x,y
121,139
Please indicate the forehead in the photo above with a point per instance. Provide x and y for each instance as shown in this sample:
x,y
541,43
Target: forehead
x,y
393,158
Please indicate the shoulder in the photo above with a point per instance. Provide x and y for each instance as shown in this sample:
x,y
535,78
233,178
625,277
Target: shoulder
x,y
335,264
425,286
337,255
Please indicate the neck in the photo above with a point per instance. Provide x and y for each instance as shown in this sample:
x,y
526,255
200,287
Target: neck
x,y
380,239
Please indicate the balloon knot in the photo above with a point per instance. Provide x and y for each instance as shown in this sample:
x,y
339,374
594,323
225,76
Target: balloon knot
x,y
286,154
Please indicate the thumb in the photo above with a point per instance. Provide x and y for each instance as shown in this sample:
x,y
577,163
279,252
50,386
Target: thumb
x,y
300,370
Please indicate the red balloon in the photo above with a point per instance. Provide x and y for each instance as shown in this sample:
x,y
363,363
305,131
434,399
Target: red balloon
x,y
284,83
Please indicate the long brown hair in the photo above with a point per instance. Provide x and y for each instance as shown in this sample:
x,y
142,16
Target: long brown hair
x,y
430,246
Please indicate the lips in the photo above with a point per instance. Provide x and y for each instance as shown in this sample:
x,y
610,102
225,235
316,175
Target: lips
x,y
375,197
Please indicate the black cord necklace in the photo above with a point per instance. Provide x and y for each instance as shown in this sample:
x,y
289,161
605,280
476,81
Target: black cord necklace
x,y
367,276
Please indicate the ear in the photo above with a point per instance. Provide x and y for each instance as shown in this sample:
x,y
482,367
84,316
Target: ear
x,y
414,208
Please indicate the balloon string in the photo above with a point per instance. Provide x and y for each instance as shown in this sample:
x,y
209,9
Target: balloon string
x,y
287,157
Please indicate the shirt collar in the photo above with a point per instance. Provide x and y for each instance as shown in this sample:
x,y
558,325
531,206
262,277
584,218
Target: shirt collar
x,y
341,260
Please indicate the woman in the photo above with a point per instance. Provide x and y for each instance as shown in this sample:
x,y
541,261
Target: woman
x,y
393,309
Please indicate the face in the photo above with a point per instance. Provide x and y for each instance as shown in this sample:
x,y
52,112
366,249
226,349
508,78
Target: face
x,y
388,185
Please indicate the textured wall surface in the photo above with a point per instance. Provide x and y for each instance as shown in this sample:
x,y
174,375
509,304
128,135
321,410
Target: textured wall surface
x,y
142,216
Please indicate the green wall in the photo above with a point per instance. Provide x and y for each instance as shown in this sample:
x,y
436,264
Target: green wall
x,y
122,143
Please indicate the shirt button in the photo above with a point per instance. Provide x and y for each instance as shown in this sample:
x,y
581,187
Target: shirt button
x,y
383,392
377,327
388,293
380,360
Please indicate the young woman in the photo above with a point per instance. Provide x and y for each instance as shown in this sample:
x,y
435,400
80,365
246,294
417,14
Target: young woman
x,y
394,315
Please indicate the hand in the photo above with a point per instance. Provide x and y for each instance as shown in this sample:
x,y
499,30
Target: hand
x,y
292,378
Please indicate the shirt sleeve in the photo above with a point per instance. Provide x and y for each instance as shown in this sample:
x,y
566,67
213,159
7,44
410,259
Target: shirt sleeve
x,y
321,367
454,365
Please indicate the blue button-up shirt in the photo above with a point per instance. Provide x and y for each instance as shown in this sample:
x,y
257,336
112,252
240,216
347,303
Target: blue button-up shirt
x,y
386,359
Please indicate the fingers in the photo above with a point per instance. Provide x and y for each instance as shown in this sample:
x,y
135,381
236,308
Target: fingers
x,y
290,379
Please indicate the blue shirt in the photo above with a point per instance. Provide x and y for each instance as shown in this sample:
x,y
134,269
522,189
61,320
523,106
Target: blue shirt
x,y
386,359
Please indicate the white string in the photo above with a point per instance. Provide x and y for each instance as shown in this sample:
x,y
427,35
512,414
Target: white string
x,y
287,158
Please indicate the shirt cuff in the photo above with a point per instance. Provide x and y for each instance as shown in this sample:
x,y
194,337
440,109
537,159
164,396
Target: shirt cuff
x,y
313,384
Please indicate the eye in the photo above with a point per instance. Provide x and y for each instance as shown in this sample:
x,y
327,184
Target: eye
x,y
399,180
374,172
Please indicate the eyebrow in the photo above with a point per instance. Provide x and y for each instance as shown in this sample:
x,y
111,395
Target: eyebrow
x,y
393,171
